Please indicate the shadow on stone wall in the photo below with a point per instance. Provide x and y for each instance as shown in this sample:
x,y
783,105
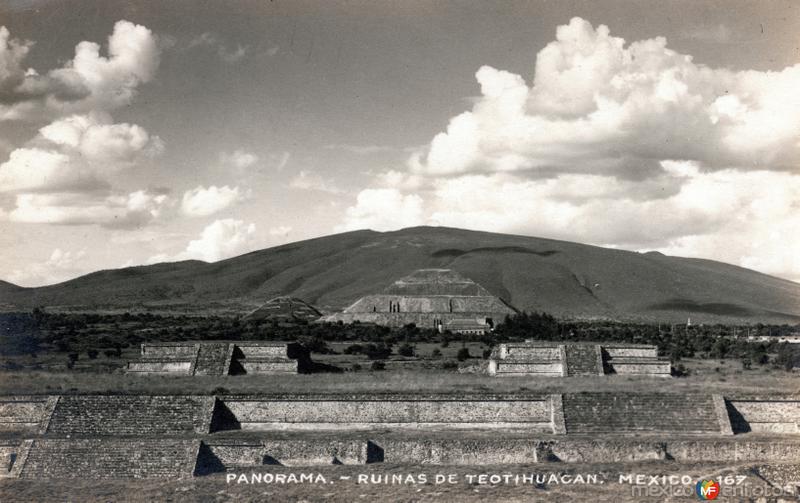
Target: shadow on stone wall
x,y
222,419
738,423
374,452
207,462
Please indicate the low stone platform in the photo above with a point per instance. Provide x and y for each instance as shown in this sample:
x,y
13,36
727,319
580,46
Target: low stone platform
x,y
182,458
123,436
220,358
360,412
576,359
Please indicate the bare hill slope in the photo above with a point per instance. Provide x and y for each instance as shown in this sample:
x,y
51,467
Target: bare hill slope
x,y
563,278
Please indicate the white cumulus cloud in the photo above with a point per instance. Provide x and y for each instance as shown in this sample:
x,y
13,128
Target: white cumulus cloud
x,y
65,175
60,266
204,201
383,210
117,210
597,104
86,82
618,144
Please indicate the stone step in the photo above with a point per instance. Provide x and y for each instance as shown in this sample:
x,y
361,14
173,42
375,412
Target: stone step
x,y
95,458
131,415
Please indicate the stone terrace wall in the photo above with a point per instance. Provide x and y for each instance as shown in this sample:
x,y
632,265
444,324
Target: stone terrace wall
x,y
213,359
25,414
121,415
258,350
588,413
160,367
560,360
764,414
97,459
13,455
217,455
630,351
232,454
321,412
173,350
459,451
220,358
583,360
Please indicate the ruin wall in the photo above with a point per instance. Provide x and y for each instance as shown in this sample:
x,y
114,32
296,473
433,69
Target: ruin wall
x,y
121,415
255,414
160,367
591,413
26,414
176,350
107,458
764,415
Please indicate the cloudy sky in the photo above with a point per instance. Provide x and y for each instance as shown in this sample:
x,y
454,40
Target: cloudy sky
x,y
144,131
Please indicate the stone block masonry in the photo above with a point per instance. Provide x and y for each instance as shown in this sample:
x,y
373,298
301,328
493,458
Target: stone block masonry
x,y
110,458
132,436
26,414
130,415
593,413
13,456
219,455
548,359
533,413
220,358
764,414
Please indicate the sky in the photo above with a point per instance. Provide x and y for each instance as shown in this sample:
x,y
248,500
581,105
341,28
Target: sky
x,y
137,132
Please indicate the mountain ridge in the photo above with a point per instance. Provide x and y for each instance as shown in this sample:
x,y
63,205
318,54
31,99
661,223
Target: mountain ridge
x,y
564,278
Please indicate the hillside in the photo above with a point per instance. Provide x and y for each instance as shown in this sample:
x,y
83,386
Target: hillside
x,y
563,278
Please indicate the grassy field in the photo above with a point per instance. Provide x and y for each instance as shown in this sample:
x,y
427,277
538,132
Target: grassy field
x,y
606,486
402,375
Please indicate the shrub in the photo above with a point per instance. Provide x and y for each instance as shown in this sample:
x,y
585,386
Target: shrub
x,y
680,370
353,349
406,350
378,365
487,353
463,354
449,365
436,353
92,353
356,367
377,352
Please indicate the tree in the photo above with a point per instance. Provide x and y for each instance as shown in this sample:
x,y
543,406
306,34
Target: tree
x,y
463,354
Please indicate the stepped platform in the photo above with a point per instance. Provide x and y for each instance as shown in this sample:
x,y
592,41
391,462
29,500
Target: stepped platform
x,y
549,359
621,413
110,458
134,436
130,415
173,458
359,412
220,358
26,414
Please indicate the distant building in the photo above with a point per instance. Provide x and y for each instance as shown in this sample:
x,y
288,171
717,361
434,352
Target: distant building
x,y
430,298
